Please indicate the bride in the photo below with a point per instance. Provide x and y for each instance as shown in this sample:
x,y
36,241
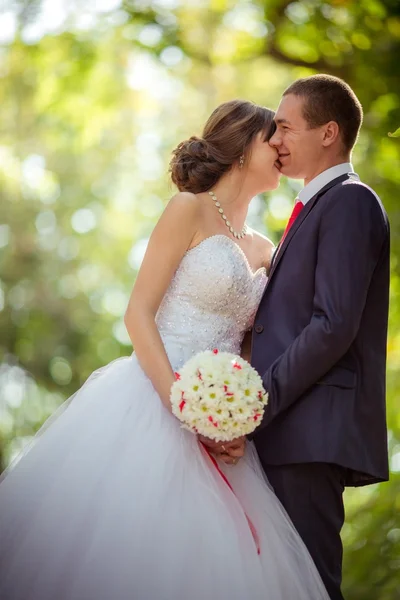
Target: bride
x,y
114,500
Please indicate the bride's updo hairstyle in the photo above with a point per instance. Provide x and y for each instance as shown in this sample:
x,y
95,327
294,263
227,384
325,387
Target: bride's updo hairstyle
x,y
198,163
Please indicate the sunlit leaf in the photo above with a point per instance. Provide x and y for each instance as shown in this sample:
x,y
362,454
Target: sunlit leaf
x,y
395,134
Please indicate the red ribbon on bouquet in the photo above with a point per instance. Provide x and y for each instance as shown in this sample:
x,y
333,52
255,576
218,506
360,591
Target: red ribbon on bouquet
x,y
251,526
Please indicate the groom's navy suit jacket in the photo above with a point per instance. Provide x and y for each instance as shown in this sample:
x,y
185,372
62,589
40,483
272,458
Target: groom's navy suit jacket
x,y
319,337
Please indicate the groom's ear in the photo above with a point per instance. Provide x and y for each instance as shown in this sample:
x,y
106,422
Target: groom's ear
x,y
330,133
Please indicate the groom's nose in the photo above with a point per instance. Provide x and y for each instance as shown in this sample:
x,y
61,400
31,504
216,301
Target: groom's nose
x,y
275,140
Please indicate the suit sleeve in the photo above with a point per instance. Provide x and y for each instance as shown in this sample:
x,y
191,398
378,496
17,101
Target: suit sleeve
x,y
352,233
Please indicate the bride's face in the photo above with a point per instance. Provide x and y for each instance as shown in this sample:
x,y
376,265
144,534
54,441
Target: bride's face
x,y
263,166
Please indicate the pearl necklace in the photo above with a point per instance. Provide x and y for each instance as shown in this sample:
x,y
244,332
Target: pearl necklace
x,y
237,235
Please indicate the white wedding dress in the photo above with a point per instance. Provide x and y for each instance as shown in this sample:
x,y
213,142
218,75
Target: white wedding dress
x,y
115,501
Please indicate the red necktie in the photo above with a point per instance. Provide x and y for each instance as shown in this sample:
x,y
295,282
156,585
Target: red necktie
x,y
298,207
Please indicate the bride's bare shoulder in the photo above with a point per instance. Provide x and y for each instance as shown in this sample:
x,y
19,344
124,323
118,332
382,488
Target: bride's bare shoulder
x,y
184,201
182,210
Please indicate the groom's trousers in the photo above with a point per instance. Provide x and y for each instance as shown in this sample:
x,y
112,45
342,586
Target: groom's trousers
x,y
312,495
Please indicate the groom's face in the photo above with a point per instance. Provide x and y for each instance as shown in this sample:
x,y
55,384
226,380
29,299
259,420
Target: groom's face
x,y
299,147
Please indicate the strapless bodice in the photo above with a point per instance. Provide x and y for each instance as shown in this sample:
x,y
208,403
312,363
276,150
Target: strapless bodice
x,y
211,301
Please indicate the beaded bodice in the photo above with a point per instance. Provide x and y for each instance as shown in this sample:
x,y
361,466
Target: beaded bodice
x,y
211,301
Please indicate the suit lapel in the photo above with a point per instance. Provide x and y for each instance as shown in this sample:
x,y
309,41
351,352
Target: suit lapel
x,y
279,252
275,252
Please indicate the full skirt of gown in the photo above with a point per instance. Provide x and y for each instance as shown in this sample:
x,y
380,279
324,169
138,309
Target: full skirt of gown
x,y
115,501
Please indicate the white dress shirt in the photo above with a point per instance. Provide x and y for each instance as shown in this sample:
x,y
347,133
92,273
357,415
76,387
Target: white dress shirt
x,y
323,179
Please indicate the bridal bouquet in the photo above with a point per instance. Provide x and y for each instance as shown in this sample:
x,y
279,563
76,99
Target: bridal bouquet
x,y
218,395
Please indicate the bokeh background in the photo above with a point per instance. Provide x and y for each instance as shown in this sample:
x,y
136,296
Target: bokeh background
x,y
93,97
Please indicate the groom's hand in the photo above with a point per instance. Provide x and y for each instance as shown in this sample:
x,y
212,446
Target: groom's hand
x,y
229,452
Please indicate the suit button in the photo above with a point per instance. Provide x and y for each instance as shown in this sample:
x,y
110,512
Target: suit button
x,y
259,328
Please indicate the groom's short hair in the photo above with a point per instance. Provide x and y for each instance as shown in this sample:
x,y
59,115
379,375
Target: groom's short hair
x,y
328,98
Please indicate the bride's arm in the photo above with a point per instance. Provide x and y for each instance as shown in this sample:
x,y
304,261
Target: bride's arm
x,y
168,243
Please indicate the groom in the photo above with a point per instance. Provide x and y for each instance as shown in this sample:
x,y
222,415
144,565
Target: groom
x,y
319,337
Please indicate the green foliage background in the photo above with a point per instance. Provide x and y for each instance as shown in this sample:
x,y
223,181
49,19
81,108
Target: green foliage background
x,y
93,96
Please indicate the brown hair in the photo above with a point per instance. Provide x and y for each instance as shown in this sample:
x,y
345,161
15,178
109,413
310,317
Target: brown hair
x,y
328,98
198,163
